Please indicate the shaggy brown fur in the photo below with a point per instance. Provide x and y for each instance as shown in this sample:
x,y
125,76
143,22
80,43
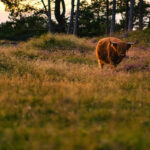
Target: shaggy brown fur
x,y
111,51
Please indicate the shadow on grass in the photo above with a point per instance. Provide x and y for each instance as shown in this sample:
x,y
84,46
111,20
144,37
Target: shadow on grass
x,y
136,67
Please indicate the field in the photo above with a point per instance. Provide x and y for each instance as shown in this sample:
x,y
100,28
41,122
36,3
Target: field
x,y
54,97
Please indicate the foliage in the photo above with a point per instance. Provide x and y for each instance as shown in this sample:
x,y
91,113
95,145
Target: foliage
x,y
91,23
23,28
18,8
122,8
92,17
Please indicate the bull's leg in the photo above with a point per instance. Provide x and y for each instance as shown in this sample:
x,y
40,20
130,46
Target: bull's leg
x,y
100,64
113,67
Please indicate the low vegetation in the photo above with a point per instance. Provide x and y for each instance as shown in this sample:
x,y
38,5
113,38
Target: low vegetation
x,y
140,37
53,96
55,42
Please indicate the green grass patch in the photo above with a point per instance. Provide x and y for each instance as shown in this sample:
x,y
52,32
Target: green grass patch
x,y
80,60
25,54
59,42
6,64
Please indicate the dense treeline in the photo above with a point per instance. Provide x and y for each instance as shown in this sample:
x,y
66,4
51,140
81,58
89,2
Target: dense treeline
x,y
30,18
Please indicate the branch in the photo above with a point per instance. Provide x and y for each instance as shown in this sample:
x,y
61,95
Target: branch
x,y
44,7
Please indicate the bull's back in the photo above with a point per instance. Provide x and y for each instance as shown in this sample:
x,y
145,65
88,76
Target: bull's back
x,y
103,47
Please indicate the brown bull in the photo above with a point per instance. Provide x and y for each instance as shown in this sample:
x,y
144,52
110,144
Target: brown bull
x,y
111,51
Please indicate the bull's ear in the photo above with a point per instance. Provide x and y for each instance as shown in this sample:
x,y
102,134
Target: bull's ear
x,y
128,46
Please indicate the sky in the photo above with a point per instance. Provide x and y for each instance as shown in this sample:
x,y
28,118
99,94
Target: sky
x,y
3,14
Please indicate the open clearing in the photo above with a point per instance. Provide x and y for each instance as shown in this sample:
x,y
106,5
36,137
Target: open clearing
x,y
57,99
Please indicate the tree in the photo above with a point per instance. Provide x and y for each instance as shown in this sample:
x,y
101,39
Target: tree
x,y
60,17
76,18
112,29
19,8
48,13
123,8
49,16
92,18
71,17
141,14
126,14
107,16
130,25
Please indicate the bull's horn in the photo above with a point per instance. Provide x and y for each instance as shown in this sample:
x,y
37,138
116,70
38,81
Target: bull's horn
x,y
113,42
132,43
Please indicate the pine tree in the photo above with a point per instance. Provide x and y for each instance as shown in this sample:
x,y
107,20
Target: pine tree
x,y
48,13
112,29
130,25
107,16
60,16
71,17
76,18
49,16
141,14
126,14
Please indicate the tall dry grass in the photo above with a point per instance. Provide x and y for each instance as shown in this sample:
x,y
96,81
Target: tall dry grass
x,y
60,100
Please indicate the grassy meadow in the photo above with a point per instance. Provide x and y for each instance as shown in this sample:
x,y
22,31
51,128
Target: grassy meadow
x,y
54,97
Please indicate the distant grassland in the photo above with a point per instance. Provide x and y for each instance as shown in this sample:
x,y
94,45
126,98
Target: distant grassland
x,y
53,97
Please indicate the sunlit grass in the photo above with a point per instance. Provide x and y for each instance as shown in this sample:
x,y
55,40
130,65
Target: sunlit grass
x,y
60,100
55,42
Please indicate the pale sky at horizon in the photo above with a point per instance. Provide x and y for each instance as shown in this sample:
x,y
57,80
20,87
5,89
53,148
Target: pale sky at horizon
x,y
3,15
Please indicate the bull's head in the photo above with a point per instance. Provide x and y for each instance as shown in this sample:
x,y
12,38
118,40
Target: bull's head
x,y
122,47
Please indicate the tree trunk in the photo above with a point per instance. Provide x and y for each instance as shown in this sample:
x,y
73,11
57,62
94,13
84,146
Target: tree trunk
x,y
112,29
107,16
130,25
49,16
76,19
141,15
48,13
71,17
60,17
44,7
127,14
